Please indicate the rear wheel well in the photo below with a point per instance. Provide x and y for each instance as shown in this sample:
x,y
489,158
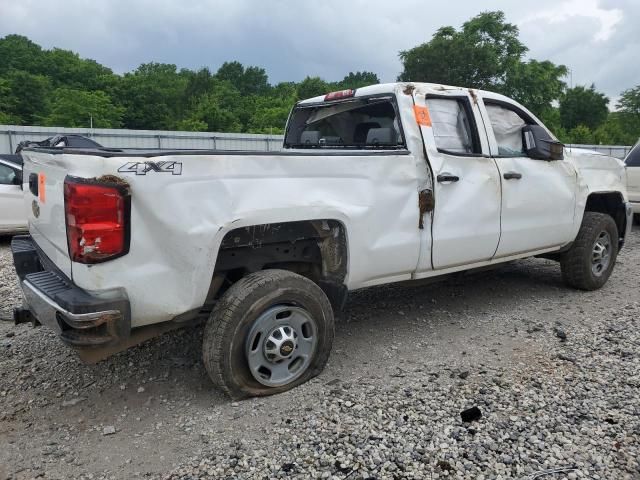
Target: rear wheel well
x,y
316,249
612,204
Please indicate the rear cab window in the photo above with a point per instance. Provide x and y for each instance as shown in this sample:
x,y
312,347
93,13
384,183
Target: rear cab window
x,y
357,123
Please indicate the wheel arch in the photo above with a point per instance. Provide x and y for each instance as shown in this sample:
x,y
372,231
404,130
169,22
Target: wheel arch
x,y
611,203
317,249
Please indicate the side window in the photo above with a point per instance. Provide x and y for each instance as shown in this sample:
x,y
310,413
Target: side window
x,y
452,127
507,127
633,160
7,175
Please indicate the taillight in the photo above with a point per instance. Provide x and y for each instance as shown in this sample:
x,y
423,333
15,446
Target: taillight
x,y
97,217
339,95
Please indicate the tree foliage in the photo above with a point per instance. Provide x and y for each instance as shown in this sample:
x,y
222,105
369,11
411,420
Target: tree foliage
x,y
480,55
77,108
57,87
582,106
486,53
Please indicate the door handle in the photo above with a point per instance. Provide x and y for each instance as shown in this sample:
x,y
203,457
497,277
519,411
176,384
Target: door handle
x,y
447,178
512,176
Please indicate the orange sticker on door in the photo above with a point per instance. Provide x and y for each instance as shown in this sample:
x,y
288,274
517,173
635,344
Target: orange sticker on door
x,y
422,115
42,186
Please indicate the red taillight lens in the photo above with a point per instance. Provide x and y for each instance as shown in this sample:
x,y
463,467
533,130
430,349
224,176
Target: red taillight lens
x,y
339,95
97,221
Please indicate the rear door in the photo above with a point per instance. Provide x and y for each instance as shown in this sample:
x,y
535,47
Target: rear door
x,y
12,215
538,196
43,177
466,217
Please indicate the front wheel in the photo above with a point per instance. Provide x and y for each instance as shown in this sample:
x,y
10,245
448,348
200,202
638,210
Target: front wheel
x,y
271,331
588,264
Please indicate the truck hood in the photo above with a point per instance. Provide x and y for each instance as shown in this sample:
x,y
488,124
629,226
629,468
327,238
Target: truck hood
x,y
599,173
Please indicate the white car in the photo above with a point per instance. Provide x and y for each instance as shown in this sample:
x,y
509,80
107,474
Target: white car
x,y
633,179
13,218
384,184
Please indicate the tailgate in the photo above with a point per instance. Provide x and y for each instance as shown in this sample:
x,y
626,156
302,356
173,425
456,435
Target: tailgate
x,y
44,175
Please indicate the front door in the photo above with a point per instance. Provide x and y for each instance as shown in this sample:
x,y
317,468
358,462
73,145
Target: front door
x,y
538,196
466,218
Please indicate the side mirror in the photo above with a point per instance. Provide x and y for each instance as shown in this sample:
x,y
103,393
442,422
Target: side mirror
x,y
539,145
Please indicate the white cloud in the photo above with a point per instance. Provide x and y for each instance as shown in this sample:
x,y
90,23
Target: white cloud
x,y
570,10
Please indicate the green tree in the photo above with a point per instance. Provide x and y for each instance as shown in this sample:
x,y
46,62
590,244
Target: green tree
x,y
78,108
191,125
153,96
485,53
629,108
312,87
28,98
65,68
198,83
270,115
5,95
629,102
249,81
583,106
480,55
535,84
217,109
581,134
358,80
20,53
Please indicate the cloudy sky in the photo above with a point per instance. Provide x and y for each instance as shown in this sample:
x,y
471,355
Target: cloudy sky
x,y
599,40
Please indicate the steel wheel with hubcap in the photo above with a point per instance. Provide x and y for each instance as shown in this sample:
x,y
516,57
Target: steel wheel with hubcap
x,y
588,264
601,255
271,331
280,345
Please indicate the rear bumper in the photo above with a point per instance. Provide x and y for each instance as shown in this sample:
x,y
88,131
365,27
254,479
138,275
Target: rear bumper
x,y
635,207
80,318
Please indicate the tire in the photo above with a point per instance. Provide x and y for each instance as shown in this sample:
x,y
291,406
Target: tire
x,y
636,218
579,264
237,334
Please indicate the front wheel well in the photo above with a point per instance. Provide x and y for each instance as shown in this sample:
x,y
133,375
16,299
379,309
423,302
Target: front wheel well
x,y
316,249
612,204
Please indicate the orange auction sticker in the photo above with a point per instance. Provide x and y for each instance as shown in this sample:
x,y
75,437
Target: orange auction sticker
x,y
42,185
422,115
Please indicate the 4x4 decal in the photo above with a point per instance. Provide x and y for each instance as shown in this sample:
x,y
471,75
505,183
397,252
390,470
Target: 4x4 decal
x,y
141,168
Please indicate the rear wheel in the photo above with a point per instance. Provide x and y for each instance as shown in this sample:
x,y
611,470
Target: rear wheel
x,y
271,331
590,261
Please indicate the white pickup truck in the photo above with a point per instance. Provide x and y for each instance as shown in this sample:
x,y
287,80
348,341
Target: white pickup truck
x,y
385,184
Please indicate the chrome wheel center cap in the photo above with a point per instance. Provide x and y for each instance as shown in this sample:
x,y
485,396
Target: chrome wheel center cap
x,y
280,343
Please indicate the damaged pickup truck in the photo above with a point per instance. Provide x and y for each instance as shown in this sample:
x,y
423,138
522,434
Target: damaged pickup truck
x,y
385,184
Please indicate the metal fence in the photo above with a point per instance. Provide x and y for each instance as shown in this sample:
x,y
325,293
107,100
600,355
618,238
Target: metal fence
x,y
10,136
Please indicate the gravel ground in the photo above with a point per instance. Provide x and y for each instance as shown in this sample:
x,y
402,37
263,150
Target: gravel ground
x,y
554,372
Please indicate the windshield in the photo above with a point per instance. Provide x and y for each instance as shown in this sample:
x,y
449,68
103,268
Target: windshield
x,y
363,123
633,159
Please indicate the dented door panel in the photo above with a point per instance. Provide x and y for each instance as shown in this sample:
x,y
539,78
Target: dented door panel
x,y
465,221
178,221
